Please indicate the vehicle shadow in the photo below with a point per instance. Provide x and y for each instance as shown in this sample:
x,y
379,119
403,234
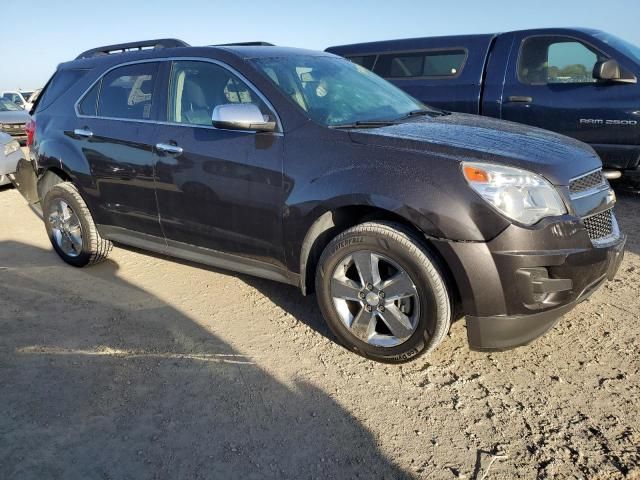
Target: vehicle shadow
x,y
101,379
287,297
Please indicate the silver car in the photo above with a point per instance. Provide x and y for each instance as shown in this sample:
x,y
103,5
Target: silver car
x,y
10,154
13,120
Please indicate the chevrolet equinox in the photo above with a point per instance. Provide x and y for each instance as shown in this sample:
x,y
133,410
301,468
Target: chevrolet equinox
x,y
305,168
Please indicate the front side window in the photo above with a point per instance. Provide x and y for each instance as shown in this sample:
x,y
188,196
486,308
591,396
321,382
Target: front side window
x,y
439,63
334,91
127,92
196,88
552,60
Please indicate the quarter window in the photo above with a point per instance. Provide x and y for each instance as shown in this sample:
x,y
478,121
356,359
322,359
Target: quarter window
x,y
439,63
127,92
89,103
196,88
552,60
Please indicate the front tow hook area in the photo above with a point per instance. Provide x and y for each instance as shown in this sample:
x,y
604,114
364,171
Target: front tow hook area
x,y
539,291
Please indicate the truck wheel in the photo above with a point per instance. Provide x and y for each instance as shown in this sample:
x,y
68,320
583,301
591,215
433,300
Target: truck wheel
x,y
70,227
382,293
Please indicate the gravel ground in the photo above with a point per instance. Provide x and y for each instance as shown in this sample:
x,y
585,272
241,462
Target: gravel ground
x,y
147,368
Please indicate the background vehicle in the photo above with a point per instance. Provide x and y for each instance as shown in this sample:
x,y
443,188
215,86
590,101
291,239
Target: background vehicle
x,y
578,82
10,155
19,97
32,99
13,120
302,167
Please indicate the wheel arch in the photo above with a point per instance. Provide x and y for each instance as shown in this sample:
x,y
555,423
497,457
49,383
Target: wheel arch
x,y
330,223
49,178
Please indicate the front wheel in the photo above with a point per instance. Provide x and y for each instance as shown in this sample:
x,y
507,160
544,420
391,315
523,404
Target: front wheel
x,y
382,292
70,227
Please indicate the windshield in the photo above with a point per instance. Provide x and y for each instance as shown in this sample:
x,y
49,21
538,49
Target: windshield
x,y
333,91
9,106
26,95
619,44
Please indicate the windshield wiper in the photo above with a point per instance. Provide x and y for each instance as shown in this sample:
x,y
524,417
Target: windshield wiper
x,y
366,124
424,111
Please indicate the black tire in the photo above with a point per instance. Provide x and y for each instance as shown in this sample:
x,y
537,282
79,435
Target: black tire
x,y
94,248
403,247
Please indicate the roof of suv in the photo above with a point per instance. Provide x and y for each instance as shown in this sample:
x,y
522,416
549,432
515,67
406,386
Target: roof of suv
x,y
149,49
270,51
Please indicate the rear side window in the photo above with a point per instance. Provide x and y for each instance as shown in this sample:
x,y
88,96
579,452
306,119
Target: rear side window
x,y
439,63
365,61
549,60
127,92
61,81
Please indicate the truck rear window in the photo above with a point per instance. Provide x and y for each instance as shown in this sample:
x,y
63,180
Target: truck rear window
x,y
365,61
435,63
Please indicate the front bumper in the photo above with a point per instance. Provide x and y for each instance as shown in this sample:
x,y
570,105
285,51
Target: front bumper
x,y
517,286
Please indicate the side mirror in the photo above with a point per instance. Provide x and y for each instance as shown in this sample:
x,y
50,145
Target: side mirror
x,y
241,116
607,70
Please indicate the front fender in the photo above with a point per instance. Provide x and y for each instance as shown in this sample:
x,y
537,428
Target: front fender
x,y
326,172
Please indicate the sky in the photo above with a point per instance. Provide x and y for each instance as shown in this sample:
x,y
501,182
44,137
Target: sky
x,y
37,36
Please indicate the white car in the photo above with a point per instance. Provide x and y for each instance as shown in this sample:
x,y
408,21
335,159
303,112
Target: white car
x,y
10,154
22,98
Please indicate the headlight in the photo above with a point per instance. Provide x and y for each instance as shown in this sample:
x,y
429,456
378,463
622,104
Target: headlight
x,y
518,194
12,146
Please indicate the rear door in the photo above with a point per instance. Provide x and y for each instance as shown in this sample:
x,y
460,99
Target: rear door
x,y
549,83
115,131
219,189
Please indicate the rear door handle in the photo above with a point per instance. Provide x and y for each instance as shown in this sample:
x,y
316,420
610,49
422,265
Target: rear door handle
x,y
83,132
169,149
520,99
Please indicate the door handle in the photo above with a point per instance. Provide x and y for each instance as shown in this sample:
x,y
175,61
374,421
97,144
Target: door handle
x,y
520,99
83,132
169,149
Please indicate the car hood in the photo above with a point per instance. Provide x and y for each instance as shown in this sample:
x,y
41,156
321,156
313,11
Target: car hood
x,y
14,117
471,137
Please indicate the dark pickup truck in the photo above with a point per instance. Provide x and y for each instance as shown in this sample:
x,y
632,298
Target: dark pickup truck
x,y
578,82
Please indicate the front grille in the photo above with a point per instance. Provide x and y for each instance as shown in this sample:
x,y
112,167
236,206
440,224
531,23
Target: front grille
x,y
586,182
14,129
599,225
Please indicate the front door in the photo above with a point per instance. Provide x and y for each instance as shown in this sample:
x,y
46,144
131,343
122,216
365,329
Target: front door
x,y
550,84
218,189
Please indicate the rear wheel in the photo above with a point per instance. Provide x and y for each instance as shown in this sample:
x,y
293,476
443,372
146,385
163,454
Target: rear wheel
x,y
383,293
70,227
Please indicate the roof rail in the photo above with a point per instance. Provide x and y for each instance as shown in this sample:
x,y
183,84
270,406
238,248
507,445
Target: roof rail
x,y
245,44
132,46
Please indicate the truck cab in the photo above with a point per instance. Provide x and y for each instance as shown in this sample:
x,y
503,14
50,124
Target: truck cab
x,y
582,83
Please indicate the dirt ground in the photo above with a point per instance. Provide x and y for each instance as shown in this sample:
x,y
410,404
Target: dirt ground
x,y
148,368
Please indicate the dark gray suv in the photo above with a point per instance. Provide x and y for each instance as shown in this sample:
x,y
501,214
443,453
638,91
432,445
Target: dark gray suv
x,y
304,168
